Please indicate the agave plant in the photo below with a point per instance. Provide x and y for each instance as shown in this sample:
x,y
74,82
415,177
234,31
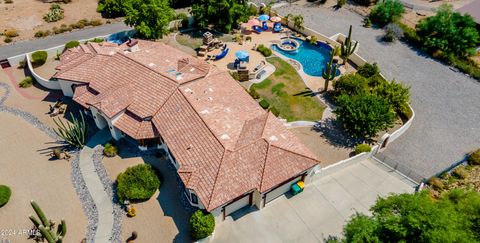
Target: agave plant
x,y
74,133
347,49
46,226
329,71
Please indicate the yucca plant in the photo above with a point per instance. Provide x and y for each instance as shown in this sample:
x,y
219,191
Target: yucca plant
x,y
46,226
329,71
74,133
347,49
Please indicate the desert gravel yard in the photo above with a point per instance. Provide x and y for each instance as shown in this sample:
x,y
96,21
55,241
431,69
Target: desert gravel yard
x,y
446,102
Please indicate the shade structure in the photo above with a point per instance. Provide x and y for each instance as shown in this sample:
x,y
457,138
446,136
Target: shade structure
x,y
242,55
275,19
253,22
263,17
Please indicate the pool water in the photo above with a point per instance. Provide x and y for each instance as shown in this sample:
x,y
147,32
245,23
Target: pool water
x,y
313,58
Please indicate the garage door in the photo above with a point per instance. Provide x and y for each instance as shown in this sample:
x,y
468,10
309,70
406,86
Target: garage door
x,y
238,204
280,190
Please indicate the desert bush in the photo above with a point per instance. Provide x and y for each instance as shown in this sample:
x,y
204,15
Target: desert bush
x,y
5,193
460,172
274,111
436,183
235,75
54,14
7,40
184,18
202,224
110,150
39,58
95,22
253,92
8,1
360,148
474,158
393,32
10,33
21,64
26,82
368,70
266,52
367,23
72,44
111,8
396,94
139,182
40,34
386,12
350,84
264,104
340,3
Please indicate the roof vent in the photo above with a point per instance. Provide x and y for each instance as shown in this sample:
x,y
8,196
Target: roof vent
x,y
205,112
210,98
148,118
152,64
273,138
225,137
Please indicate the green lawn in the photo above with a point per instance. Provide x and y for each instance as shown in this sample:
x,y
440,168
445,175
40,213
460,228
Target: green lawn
x,y
286,91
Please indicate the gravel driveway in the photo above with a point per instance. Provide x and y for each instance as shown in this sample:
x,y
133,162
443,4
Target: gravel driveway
x,y
447,103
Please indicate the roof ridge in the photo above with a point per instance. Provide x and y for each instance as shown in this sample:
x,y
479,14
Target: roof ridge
x,y
63,70
216,178
264,164
293,152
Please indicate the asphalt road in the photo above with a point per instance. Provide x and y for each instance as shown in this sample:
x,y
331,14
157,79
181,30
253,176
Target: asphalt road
x,y
55,40
446,102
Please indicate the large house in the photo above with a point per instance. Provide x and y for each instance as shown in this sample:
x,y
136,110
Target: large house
x,y
228,151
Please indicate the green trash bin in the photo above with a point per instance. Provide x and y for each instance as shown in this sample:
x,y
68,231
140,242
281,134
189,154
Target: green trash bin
x,y
295,189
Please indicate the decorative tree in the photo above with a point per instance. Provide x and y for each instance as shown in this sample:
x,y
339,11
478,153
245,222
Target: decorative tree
x,y
347,49
74,134
329,71
298,22
46,226
149,17
287,18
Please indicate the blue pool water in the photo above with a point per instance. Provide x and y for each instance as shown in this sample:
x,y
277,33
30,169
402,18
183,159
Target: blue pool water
x,y
312,57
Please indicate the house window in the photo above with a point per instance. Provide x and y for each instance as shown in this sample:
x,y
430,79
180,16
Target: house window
x,y
194,198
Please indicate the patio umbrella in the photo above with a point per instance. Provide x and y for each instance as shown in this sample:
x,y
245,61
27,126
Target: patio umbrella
x,y
253,22
263,17
275,19
241,54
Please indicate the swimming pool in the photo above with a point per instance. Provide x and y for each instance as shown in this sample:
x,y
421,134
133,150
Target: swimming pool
x,y
312,57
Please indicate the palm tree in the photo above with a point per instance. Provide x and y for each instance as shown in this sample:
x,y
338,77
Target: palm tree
x,y
298,22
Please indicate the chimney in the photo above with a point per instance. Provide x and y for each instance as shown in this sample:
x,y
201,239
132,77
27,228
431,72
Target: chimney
x,y
132,45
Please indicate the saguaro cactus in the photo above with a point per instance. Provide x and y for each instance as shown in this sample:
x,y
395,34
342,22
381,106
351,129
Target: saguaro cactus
x,y
74,134
46,227
347,49
329,71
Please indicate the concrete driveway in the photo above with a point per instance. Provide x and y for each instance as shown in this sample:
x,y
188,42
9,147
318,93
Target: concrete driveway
x,y
319,211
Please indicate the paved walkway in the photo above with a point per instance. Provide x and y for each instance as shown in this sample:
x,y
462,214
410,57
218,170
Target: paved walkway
x,y
446,102
101,199
56,40
319,211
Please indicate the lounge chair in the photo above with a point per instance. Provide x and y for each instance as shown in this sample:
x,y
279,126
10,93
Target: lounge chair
x,y
221,55
264,26
257,29
277,27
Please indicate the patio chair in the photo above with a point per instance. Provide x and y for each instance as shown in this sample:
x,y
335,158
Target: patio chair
x,y
277,27
264,26
257,29
221,55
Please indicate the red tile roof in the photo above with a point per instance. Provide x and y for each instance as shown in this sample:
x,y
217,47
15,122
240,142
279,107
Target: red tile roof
x,y
225,144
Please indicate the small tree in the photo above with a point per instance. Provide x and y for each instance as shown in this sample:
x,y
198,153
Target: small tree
x,y
111,8
351,84
347,49
364,115
149,17
46,226
74,133
202,224
329,71
396,94
138,182
288,18
298,22
386,12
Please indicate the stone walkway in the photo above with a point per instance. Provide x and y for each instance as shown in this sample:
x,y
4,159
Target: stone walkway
x,y
102,200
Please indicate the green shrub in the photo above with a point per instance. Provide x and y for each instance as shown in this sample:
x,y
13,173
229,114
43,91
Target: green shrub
x,y
111,8
460,172
184,18
110,150
7,40
235,75
202,224
350,84
252,10
266,52
410,34
21,64
393,32
253,92
10,33
274,111
436,183
72,44
465,65
474,158
340,3
264,104
5,193
396,94
386,12
368,70
97,40
8,1
360,148
55,14
95,22
41,33
26,82
139,182
39,58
